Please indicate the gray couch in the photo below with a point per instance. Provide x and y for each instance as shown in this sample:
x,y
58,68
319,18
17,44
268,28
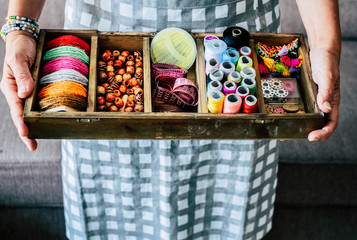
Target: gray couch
x,y
316,196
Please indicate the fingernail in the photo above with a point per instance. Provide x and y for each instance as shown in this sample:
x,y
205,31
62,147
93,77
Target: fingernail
x,y
312,139
22,89
327,105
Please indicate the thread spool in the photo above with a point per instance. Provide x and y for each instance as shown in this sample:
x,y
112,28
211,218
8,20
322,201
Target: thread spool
x,y
232,103
68,40
268,93
215,102
248,72
234,77
244,61
215,49
289,86
229,87
246,51
227,67
208,38
280,93
64,63
215,75
213,86
251,84
265,84
236,37
242,91
276,84
250,104
212,63
232,55
66,51
63,75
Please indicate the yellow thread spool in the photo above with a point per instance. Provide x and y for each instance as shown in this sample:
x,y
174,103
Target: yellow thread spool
x,y
234,77
215,102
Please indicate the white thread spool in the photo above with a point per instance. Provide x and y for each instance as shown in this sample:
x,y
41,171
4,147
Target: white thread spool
x,y
248,72
216,75
212,63
227,67
214,86
64,75
215,49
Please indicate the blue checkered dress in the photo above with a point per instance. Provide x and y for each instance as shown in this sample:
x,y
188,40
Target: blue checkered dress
x,y
169,189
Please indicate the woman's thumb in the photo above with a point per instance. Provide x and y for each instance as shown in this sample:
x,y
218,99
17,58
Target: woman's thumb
x,y
23,78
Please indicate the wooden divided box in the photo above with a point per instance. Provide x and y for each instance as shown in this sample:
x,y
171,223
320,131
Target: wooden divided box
x,y
201,124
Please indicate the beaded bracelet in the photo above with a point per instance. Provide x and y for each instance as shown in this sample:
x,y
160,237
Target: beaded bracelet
x,y
16,23
24,19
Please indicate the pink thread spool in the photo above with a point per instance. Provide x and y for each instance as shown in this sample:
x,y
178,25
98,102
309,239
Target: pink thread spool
x,y
65,63
232,103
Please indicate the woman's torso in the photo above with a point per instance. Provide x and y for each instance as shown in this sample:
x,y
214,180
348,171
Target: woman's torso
x,y
155,15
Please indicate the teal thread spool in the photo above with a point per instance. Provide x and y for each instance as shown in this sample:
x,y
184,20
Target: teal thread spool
x,y
232,55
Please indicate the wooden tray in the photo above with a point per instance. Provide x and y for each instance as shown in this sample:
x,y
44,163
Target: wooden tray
x,y
157,125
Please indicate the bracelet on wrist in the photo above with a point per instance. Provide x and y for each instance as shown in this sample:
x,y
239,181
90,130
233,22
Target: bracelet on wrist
x,y
17,23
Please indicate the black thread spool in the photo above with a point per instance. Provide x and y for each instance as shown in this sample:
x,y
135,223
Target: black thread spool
x,y
236,37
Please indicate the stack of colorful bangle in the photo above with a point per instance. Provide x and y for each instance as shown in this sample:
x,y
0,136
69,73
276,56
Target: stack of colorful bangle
x,y
64,79
16,23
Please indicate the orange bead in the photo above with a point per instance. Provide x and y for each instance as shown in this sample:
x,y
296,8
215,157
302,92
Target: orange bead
x,y
110,68
133,82
122,88
131,98
130,104
125,53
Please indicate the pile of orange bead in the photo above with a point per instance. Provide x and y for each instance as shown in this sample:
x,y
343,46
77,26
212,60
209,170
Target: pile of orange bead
x,y
120,80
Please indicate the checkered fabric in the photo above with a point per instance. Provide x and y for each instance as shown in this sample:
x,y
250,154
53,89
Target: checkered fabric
x,y
155,15
163,190
168,189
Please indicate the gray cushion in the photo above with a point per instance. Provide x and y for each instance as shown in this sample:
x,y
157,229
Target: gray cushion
x,y
317,184
29,178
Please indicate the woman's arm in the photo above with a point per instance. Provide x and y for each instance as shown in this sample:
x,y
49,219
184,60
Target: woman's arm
x,y
17,82
322,24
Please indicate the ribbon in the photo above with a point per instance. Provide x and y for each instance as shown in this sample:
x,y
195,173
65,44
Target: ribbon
x,y
178,91
167,70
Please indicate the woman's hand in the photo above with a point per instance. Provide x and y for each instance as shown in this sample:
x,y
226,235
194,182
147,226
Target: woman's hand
x,y
17,82
325,72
